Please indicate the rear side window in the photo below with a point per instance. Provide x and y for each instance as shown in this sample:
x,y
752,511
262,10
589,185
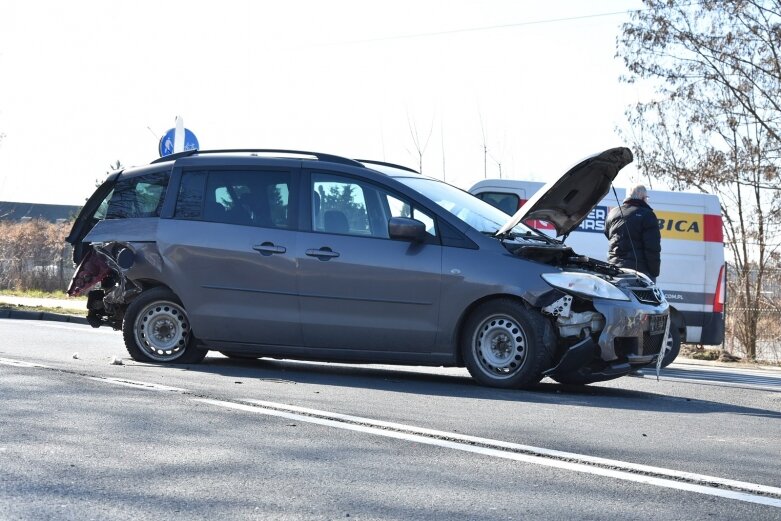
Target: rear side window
x,y
140,196
251,198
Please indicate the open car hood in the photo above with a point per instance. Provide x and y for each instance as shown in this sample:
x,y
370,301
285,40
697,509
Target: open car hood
x,y
566,201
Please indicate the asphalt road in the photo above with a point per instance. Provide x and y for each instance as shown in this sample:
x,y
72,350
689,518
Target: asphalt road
x,y
81,438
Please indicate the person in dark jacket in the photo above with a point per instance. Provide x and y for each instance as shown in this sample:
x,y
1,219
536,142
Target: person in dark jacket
x,y
633,233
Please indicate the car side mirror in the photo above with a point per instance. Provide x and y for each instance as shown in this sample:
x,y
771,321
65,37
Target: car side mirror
x,y
406,229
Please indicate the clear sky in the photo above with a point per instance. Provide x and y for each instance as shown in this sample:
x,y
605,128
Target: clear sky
x,y
86,83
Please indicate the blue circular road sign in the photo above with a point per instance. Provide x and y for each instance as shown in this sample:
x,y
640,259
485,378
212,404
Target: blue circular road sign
x,y
166,147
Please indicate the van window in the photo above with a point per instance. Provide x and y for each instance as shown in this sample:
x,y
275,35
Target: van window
x,y
249,198
140,196
508,203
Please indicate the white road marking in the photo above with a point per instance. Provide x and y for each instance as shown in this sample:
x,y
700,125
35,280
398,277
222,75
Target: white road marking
x,y
686,481
138,385
20,363
765,373
701,484
721,377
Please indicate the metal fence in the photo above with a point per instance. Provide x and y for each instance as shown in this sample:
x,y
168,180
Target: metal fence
x,y
46,274
766,310
34,256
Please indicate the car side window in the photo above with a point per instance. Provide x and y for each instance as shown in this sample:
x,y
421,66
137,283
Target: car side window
x,y
140,196
102,210
250,198
346,206
189,201
399,208
339,206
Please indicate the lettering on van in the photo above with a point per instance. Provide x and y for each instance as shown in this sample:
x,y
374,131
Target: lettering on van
x,y
676,225
595,220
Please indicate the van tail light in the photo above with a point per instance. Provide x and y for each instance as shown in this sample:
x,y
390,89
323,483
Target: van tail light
x,y
718,297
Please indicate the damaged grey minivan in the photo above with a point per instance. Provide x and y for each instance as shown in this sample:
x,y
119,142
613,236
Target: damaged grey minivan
x,y
301,255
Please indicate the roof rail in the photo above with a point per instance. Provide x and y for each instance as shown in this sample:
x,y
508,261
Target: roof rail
x,y
317,155
392,165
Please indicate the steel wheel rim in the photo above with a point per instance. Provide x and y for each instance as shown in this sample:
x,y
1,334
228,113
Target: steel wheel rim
x,y
499,346
162,330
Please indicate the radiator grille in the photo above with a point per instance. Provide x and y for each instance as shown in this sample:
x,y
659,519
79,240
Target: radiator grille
x,y
646,295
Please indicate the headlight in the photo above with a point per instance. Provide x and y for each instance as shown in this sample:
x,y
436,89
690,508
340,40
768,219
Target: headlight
x,y
585,285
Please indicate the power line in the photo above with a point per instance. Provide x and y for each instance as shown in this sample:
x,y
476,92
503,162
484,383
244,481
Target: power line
x,y
491,27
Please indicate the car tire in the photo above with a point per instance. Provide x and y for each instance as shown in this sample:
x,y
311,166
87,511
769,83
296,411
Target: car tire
x,y
674,344
156,329
502,345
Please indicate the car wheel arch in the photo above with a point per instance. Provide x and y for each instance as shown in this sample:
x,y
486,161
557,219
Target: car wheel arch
x,y
145,285
679,322
462,320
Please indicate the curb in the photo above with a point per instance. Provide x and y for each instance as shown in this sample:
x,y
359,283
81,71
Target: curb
x,y
42,315
754,366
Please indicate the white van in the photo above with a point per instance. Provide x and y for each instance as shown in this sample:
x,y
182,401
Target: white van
x,y
692,270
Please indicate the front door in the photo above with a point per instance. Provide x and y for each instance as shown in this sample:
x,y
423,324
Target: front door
x,y
361,290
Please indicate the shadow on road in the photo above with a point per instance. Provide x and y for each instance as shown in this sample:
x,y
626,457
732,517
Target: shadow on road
x,y
407,381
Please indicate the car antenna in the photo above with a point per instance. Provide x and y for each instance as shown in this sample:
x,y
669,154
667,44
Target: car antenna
x,y
623,220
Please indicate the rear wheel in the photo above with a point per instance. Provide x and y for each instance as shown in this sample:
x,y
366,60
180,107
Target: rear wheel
x,y
502,345
156,329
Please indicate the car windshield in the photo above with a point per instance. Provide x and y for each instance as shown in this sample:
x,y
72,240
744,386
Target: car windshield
x,y
475,212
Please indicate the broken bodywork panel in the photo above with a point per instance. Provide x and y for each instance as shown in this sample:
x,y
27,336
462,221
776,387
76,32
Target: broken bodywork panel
x,y
114,249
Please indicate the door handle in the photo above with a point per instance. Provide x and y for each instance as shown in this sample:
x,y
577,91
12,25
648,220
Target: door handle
x,y
269,248
323,253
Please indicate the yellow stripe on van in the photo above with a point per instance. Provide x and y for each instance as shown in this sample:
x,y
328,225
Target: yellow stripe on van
x,y
678,225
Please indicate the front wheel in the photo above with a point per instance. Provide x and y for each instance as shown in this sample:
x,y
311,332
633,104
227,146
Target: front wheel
x,y
502,345
673,346
156,329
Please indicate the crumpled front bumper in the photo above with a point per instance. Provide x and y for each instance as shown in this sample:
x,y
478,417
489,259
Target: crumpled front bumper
x,y
624,344
627,336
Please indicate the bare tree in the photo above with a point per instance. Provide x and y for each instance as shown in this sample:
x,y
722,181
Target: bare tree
x,y
112,168
714,124
420,145
442,140
485,146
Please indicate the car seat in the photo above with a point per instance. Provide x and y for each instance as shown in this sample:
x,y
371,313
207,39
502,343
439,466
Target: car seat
x,y
335,221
